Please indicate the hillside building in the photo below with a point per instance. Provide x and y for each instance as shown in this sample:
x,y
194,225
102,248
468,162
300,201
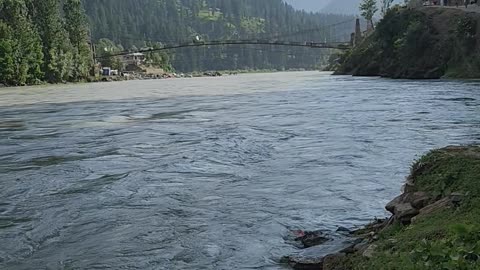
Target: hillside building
x,y
135,59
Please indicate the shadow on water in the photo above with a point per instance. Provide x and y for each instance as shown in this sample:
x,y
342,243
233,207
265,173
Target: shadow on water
x,y
6,222
164,115
11,125
92,185
52,160
38,163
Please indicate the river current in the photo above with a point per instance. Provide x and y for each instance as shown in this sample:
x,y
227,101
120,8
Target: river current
x,y
209,173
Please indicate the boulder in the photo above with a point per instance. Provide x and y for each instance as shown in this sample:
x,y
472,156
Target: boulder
x,y
439,205
391,205
420,199
342,229
306,239
314,257
314,238
405,212
417,200
408,187
371,228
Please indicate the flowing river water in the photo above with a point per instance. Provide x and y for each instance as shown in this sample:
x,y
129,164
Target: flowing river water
x,y
209,173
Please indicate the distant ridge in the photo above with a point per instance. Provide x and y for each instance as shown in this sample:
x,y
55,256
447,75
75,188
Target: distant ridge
x,y
346,7
327,6
309,5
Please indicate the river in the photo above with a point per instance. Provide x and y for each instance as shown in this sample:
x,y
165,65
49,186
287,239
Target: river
x,y
209,173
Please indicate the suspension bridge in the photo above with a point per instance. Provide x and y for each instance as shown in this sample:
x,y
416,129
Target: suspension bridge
x,y
307,44
271,41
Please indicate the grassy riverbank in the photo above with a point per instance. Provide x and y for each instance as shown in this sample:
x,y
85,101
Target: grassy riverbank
x,y
445,232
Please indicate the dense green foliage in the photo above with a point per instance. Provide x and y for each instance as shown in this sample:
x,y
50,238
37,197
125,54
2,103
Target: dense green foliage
x,y
420,43
140,24
20,46
445,239
77,29
43,41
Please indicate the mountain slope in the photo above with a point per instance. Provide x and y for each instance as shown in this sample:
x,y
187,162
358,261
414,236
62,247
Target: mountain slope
x,y
308,5
329,6
131,23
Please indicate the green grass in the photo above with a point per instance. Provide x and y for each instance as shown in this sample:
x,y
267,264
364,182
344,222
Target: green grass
x,y
206,15
449,239
453,170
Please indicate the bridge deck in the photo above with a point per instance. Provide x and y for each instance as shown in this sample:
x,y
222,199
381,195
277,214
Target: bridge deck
x,y
324,45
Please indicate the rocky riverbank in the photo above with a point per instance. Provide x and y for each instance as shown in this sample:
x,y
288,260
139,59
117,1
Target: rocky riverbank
x,y
130,76
421,43
435,223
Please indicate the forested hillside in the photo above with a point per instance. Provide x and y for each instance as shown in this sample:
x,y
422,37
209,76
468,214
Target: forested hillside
x,y
43,41
50,40
144,23
308,5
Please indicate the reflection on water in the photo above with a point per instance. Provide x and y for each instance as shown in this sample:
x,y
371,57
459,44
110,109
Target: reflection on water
x,y
208,173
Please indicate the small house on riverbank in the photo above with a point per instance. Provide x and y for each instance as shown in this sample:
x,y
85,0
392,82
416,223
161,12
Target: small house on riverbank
x,y
133,62
136,59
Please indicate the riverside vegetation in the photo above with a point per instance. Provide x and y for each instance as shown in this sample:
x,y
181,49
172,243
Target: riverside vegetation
x,y
43,41
446,233
421,43
435,222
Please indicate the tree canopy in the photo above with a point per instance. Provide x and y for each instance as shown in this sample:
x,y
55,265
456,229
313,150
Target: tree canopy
x,y
43,41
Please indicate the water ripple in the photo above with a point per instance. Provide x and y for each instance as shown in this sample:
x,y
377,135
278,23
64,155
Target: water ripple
x,y
209,173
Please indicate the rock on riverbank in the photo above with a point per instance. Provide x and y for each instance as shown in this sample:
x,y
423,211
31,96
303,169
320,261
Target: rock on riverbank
x,y
435,222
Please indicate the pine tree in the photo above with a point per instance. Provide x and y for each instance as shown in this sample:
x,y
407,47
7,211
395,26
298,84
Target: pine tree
x,y
57,49
20,48
77,29
368,9
7,68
